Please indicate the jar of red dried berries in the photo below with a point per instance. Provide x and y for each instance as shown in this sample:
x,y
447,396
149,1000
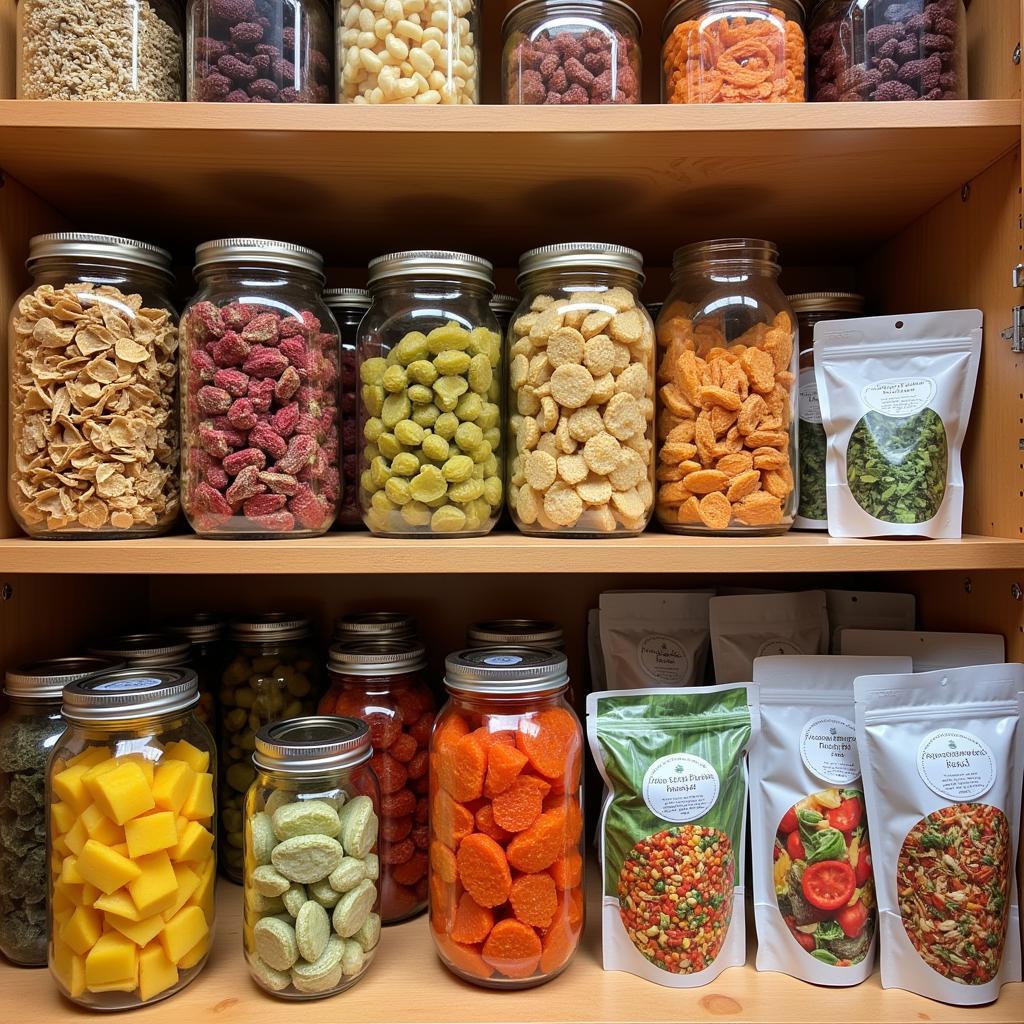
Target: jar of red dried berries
x,y
571,52
259,51
384,685
259,393
875,50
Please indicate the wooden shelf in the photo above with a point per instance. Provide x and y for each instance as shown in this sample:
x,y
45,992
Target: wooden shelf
x,y
824,180
360,553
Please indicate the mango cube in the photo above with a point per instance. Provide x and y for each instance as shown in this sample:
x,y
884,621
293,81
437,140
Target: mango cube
x,y
105,868
69,968
60,901
113,960
140,932
195,954
100,827
90,894
70,788
82,930
96,771
172,785
199,804
156,886
123,793
203,896
62,817
182,932
90,756
60,848
69,871
181,750
188,882
76,837
194,844
147,766
119,903
156,972
151,833
124,985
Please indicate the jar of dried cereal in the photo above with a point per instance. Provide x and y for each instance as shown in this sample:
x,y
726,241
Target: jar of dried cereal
x,y
259,393
372,627
879,50
109,50
408,51
92,370
727,370
581,395
430,402
259,51
734,51
571,52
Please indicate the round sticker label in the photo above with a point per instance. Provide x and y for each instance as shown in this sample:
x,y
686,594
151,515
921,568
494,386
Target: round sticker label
x,y
955,764
663,658
810,407
502,659
681,787
141,683
899,397
828,749
776,647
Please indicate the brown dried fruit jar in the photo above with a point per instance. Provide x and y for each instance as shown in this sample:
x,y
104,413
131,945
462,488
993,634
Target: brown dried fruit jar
x,y
92,369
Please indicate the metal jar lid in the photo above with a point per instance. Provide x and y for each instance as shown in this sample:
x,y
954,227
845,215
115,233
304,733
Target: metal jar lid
x,y
271,627
568,8
430,263
826,302
377,658
347,298
312,744
45,680
258,251
516,633
83,245
506,671
576,255
374,626
202,627
127,694
145,650
503,305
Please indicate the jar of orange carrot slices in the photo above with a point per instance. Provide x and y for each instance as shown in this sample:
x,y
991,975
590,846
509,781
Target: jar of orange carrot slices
x,y
506,822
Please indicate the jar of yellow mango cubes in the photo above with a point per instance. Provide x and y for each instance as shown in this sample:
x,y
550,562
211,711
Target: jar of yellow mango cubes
x,y
131,852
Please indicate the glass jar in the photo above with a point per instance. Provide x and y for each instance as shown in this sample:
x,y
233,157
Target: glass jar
x,y
811,308
30,728
145,650
259,51
405,62
312,904
734,51
259,395
430,401
271,674
108,465
875,50
374,627
132,859
581,393
503,306
571,52
384,685
727,392
511,833
205,634
516,633
120,50
349,305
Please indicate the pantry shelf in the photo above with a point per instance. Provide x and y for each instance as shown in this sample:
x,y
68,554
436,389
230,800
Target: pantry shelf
x,y
339,177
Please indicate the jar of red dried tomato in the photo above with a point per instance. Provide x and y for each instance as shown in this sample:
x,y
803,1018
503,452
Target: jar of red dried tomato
x,y
506,824
384,685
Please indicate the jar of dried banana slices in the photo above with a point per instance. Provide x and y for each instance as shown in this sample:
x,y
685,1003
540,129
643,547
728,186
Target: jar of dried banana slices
x,y
92,349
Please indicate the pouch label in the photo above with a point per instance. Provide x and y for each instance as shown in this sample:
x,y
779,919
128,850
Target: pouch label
x,y
902,396
955,764
681,787
663,658
828,749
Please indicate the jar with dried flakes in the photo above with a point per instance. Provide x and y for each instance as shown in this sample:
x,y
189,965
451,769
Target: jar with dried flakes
x,y
92,371
727,371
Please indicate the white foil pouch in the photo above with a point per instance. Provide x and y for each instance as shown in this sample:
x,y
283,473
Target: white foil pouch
x,y
930,651
866,609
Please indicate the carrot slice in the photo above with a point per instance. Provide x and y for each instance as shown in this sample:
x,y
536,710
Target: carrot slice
x,y
568,870
541,844
448,731
483,870
451,821
472,923
464,958
461,768
512,949
442,904
534,899
485,823
504,763
519,806
573,824
558,945
551,740
442,861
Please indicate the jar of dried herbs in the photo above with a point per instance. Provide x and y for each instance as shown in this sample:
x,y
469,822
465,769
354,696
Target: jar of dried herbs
x,y
29,730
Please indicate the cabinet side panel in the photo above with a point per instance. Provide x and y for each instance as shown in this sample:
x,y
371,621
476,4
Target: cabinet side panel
x,y
993,30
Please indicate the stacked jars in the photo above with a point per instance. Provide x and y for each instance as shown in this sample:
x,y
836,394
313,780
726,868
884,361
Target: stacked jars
x,y
506,866
311,868
430,402
92,368
259,393
383,684
727,392
516,633
205,634
374,627
271,674
132,863
581,393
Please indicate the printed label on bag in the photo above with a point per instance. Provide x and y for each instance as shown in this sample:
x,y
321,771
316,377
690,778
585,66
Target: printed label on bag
x,y
828,749
663,658
810,407
776,647
681,787
955,764
899,397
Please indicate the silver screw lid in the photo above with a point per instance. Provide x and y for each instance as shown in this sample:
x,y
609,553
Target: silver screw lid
x,y
312,744
258,251
130,693
202,627
45,680
503,305
145,650
515,632
347,298
273,626
383,658
374,626
506,671
442,263
826,302
576,255
84,245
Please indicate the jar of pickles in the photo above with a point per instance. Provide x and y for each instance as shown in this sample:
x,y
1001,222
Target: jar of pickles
x,y
374,627
581,393
727,367
312,918
132,859
516,633
734,51
205,634
506,862
430,402
271,674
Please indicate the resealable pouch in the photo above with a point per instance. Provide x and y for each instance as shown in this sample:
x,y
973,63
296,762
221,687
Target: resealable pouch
x,y
868,609
929,651
942,756
896,395
814,904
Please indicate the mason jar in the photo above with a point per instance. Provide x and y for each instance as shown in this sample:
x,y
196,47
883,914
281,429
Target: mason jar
x,y
373,627
506,857
516,633
503,306
430,402
145,650
205,634
93,447
271,672
259,51
132,858
727,370
581,393
259,395
30,728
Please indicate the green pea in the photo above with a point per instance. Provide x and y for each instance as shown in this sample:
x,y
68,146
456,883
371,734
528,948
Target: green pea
x,y
409,433
480,374
485,341
489,416
435,447
389,445
492,491
482,452
416,514
449,336
422,371
396,408
446,425
490,466
425,415
468,436
458,468
448,391
372,429
451,362
468,490
382,503
395,380
392,358
480,509
373,398
492,435
469,408
380,472
448,519
372,370
428,484
397,491
405,464
478,471
412,347
420,394
370,452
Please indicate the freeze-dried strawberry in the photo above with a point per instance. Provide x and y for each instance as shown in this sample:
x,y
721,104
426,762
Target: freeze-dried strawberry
x,y
264,88
263,505
235,68
237,314
577,73
265,362
261,394
247,33
237,96
237,461
234,382
205,322
229,350
264,437
558,81
308,509
262,329
280,483
241,415
295,349
210,50
207,499
568,46
302,449
202,365
247,484
287,384
284,420
549,65
213,401
214,442
215,476
276,522
576,95
214,87
232,11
